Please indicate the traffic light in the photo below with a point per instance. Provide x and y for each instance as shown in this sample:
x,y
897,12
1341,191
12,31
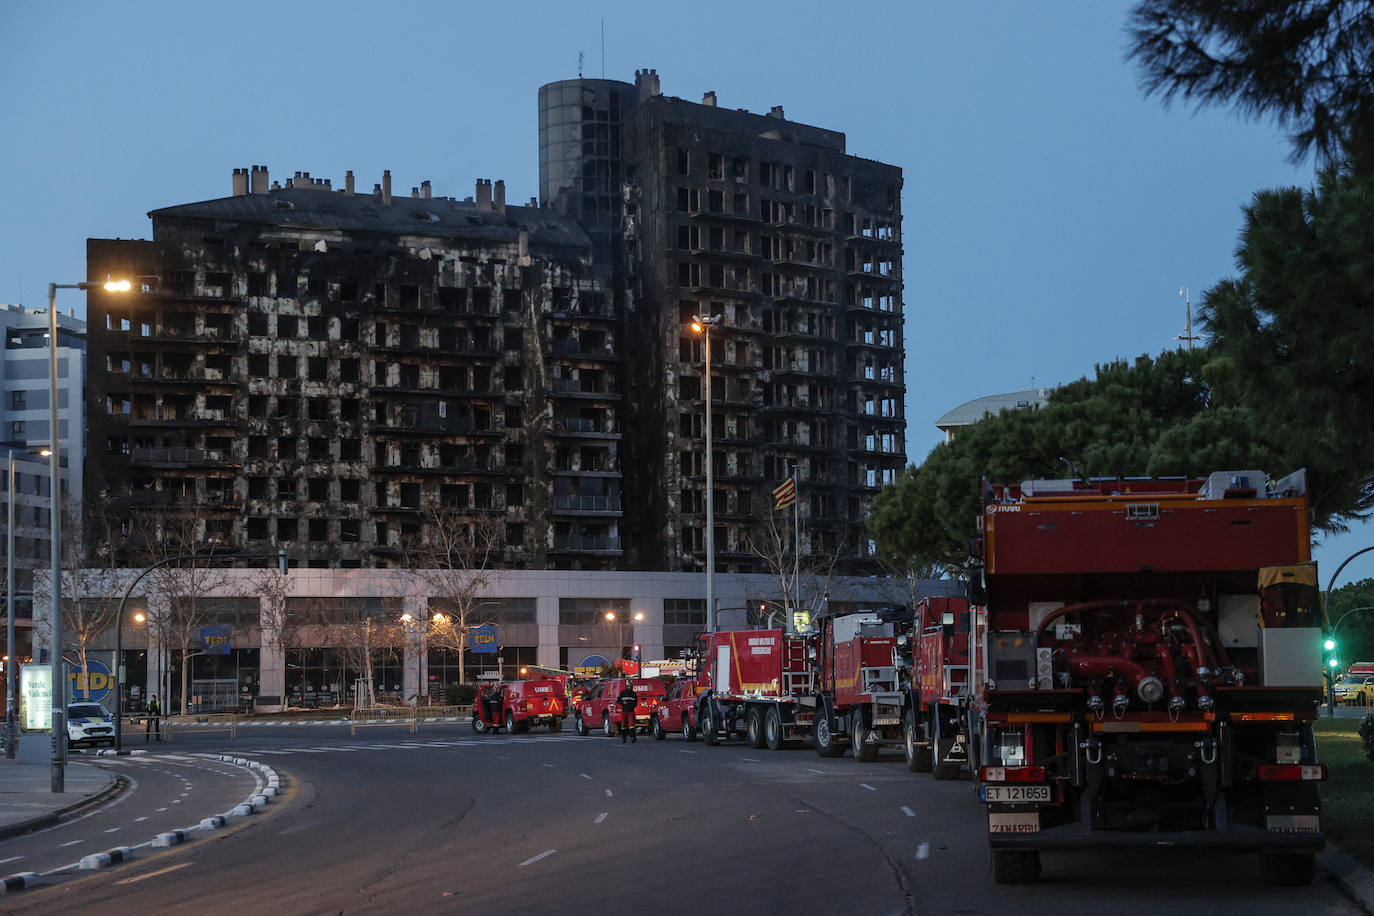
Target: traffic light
x,y
283,564
1331,658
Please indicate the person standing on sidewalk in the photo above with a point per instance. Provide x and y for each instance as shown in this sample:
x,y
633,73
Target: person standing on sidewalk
x,y
627,700
151,725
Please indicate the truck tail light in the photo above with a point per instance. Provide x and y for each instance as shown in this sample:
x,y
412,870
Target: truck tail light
x,y
1013,774
1291,772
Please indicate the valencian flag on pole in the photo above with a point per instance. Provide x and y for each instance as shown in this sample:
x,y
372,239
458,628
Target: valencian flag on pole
x,y
786,493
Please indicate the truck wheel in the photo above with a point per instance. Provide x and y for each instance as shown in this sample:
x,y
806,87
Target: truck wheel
x,y
942,746
657,729
478,725
1015,866
608,725
708,728
865,751
918,759
688,732
772,729
753,727
1288,869
826,744
512,726
580,726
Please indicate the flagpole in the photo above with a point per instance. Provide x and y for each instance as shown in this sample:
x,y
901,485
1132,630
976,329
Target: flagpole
x,y
796,554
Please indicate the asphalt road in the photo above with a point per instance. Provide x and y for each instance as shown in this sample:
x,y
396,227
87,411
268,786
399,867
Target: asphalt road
x,y
448,821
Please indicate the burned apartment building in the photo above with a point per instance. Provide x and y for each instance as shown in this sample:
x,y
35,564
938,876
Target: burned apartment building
x,y
317,368
328,370
796,246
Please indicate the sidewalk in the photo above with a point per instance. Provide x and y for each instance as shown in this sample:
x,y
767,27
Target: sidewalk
x,y
27,801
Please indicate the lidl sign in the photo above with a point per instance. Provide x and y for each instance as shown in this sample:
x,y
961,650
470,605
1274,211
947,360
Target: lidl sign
x,y
484,639
91,684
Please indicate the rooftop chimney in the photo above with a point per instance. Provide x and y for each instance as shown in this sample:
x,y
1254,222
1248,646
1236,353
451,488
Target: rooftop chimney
x,y
348,182
709,99
500,196
426,191
484,194
259,180
415,192
646,81
777,113
240,182
386,188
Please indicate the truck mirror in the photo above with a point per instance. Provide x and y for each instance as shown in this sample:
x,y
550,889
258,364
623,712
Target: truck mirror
x,y
947,619
977,590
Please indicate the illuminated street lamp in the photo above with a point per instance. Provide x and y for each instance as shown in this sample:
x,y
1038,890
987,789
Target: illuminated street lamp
x,y
702,324
59,686
612,617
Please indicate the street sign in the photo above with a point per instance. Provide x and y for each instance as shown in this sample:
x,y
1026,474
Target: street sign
x,y
91,684
35,698
484,639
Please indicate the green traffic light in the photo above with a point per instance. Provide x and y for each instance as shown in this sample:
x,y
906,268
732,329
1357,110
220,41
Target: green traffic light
x,y
1329,644
1332,663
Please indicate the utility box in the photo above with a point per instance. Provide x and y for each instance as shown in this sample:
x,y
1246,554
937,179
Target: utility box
x,y
1290,657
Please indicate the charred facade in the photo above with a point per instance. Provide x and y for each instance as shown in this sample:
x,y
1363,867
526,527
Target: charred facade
x,y
326,370
796,246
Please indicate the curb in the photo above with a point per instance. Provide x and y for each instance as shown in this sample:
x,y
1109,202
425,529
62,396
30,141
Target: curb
x,y
117,785
1354,880
19,882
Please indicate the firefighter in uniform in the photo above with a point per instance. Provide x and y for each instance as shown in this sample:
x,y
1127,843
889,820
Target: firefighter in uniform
x,y
627,701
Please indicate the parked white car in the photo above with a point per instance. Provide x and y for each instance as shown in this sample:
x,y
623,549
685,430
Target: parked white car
x,y
89,724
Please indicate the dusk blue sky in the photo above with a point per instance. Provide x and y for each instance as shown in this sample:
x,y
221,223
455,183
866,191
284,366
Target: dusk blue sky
x,y
1051,211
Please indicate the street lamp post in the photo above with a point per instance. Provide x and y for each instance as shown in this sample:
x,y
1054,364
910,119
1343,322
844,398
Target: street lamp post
x,y
613,617
11,733
702,324
59,706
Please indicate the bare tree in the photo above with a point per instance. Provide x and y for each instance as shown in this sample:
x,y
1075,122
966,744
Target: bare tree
x,y
451,563
185,586
772,539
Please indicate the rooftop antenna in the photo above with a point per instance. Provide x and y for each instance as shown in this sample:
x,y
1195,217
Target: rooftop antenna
x,y
579,65
1187,335
603,49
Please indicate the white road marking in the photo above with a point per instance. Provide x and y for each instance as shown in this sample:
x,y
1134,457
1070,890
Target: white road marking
x,y
114,830
599,818
71,843
868,787
546,765
750,759
584,775
139,819
10,859
543,855
923,851
908,812
160,810
817,772
608,794
686,752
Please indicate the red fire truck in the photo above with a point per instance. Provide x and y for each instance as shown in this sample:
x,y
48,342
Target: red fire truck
x,y
1147,669
858,700
517,705
937,700
755,682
